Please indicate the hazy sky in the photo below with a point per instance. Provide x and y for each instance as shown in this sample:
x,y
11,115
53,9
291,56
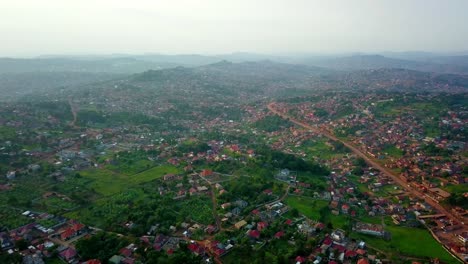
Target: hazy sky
x,y
220,26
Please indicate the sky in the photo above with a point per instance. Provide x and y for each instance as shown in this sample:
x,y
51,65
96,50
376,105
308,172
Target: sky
x,y
32,27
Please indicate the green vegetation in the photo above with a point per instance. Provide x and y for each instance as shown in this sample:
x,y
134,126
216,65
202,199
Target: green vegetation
x,y
272,123
193,146
47,223
393,151
107,183
409,242
11,218
199,210
320,148
458,188
307,206
58,203
7,133
101,246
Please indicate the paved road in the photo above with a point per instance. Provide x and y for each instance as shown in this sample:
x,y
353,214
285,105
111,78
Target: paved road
x,y
73,110
369,161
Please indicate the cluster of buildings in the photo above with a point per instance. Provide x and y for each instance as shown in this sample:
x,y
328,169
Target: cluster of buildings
x,y
43,237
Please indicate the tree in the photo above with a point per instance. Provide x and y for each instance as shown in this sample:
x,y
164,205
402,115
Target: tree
x,y
360,162
21,244
294,212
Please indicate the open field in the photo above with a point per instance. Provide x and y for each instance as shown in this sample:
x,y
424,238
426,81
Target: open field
x,y
58,203
307,206
414,242
460,188
106,182
319,148
136,167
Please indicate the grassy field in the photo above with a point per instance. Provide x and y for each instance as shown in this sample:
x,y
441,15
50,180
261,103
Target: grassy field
x,y
408,241
393,151
307,206
58,203
320,148
135,167
317,181
153,173
362,187
459,188
107,182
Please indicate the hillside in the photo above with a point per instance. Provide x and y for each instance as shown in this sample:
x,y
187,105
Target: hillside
x,y
366,62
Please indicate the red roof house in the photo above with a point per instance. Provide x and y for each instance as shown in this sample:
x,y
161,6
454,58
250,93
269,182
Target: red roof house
x,y
68,254
254,234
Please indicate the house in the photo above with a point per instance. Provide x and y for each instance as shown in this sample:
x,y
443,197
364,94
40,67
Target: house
x,y
192,191
319,226
11,175
268,192
196,249
236,211
128,261
283,174
345,208
169,177
225,205
206,172
350,254
369,229
255,234
116,259
300,260
240,224
463,237
261,226
217,248
279,234
126,252
241,203
33,259
210,229
6,242
338,236
75,230
159,242
68,254
363,261
92,261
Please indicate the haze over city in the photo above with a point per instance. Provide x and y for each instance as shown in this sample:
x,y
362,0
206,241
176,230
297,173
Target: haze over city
x,y
233,132
31,28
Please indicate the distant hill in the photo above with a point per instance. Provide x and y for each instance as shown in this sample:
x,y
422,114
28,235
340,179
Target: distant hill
x,y
244,71
18,84
366,62
461,60
128,64
227,81
113,65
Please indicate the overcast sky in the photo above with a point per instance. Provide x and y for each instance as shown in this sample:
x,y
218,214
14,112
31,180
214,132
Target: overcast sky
x,y
34,27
